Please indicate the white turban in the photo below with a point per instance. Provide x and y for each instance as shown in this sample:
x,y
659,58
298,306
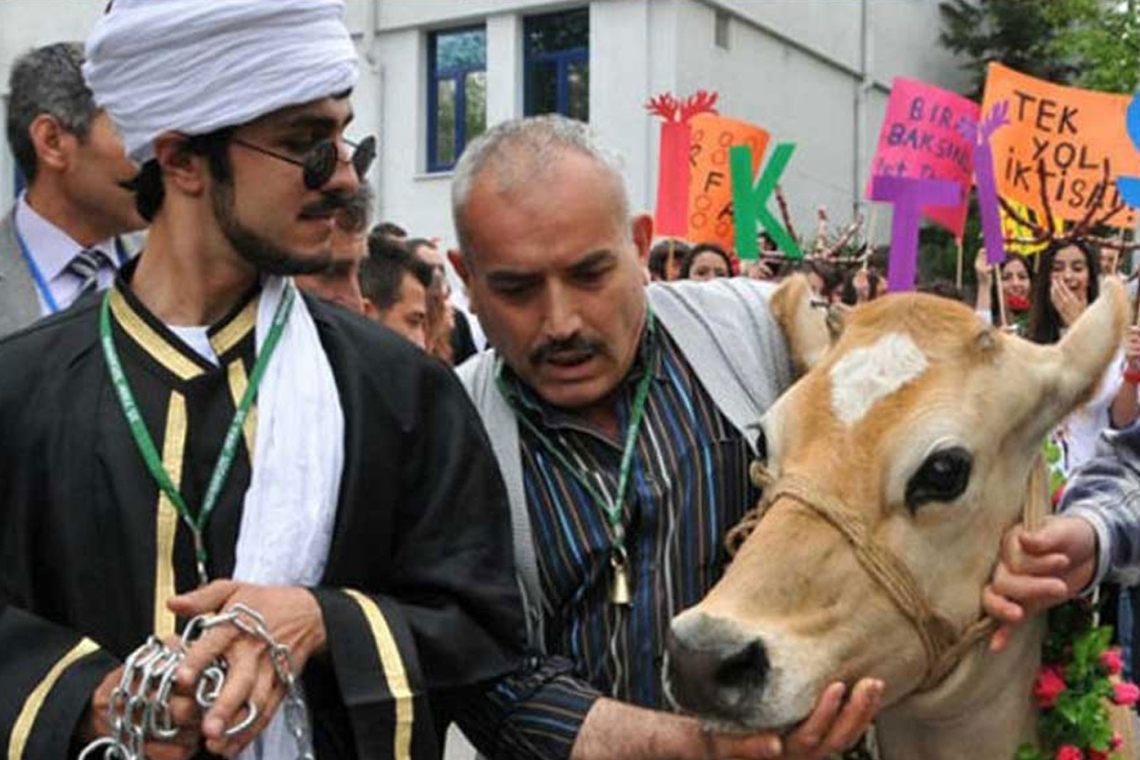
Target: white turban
x,y
192,66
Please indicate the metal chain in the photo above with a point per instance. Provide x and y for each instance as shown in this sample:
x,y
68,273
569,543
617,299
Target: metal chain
x,y
139,708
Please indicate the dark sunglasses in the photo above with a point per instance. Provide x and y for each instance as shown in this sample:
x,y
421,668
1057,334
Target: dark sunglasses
x,y
319,163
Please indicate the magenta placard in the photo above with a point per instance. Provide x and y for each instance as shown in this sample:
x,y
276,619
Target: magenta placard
x,y
921,139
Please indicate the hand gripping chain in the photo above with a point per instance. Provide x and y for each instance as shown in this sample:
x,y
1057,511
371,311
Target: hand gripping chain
x,y
139,709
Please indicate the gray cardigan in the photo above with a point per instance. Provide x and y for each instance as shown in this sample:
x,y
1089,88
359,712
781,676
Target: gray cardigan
x,y
726,332
19,306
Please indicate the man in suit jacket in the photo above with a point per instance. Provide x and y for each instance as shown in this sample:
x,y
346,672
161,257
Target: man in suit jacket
x,y
60,238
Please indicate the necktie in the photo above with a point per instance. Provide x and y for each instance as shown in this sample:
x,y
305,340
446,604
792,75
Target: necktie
x,y
85,266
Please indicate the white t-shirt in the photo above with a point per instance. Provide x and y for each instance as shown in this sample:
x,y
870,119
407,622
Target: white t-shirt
x,y
197,338
1077,434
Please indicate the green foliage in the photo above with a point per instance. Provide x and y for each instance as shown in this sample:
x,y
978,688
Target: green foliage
x,y
1028,752
1093,44
1105,40
1079,715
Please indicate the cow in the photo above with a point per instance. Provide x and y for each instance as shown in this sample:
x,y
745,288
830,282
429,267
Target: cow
x,y
894,466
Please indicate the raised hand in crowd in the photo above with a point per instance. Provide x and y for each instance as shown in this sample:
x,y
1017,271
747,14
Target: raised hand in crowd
x,y
1132,347
984,274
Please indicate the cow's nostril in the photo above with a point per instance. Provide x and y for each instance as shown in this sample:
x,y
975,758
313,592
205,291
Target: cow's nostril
x,y
715,669
747,667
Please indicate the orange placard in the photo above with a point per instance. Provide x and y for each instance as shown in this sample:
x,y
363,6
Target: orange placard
x,y
710,183
1075,132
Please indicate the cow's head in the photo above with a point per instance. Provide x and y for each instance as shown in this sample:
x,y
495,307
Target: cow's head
x,y
924,424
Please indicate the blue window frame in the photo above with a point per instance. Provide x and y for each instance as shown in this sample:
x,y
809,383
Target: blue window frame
x,y
557,64
457,93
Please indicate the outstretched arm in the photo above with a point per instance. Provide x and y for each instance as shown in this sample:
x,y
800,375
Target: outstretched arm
x,y
1096,536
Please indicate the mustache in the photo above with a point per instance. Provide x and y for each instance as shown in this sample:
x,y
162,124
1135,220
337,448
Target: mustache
x,y
328,203
576,343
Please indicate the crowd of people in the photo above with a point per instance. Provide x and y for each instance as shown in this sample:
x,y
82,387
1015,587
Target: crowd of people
x,y
188,436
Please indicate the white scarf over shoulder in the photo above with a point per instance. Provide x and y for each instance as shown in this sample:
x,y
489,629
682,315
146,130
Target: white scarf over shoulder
x,y
290,507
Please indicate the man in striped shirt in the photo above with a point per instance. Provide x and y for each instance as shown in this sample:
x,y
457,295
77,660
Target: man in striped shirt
x,y
623,421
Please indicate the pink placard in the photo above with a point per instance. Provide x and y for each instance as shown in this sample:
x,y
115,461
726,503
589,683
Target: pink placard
x,y
921,139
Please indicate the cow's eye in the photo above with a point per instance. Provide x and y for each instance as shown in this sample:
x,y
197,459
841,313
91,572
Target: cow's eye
x,y
942,477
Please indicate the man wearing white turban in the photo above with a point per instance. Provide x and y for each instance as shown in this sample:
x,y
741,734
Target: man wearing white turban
x,y
205,437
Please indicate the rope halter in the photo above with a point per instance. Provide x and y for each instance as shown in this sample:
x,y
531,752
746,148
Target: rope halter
x,y
944,644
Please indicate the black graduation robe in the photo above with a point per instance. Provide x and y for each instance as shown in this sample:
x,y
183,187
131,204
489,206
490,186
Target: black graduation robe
x,y
419,595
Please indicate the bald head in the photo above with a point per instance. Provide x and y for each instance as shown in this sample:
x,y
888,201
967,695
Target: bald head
x,y
521,154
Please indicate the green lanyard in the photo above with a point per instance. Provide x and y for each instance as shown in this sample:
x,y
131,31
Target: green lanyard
x,y
611,507
226,456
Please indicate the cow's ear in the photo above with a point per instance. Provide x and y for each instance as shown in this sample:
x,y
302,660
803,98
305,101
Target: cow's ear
x,y
1093,341
809,328
1062,376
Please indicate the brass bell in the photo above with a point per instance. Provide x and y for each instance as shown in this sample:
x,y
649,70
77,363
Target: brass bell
x,y
620,593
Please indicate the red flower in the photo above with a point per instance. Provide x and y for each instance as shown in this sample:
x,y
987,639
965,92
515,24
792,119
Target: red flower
x,y
1049,685
1117,740
1069,752
1125,693
1017,303
1096,754
1112,661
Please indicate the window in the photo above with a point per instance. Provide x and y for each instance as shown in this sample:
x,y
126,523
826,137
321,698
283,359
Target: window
x,y
457,93
720,33
557,59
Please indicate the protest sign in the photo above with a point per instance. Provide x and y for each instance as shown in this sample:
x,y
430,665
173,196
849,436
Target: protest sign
x,y
1016,234
980,134
1077,137
750,201
710,188
1130,186
674,170
909,196
922,138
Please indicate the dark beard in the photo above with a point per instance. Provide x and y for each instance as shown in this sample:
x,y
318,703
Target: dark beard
x,y
265,255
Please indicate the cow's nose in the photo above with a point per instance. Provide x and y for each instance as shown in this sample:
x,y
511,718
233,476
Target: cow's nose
x,y
714,668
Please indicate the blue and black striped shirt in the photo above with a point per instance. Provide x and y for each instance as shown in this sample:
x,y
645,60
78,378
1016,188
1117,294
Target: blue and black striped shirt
x,y
689,484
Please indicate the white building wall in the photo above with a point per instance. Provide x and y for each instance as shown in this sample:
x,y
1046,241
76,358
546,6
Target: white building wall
x,y
620,62
796,96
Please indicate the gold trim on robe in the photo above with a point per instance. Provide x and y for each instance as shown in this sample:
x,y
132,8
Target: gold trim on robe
x,y
394,673
238,383
152,343
233,333
166,516
22,728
